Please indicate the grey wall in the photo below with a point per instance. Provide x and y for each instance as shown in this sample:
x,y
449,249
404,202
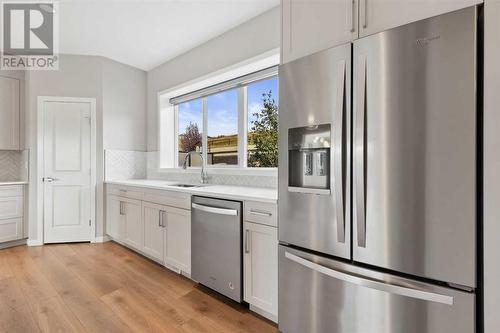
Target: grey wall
x,y
124,106
119,91
491,166
247,40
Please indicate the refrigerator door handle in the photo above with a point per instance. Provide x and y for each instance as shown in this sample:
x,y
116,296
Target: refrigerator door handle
x,y
359,152
372,284
338,152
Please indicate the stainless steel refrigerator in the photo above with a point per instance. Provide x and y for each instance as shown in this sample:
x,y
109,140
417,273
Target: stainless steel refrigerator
x,y
378,182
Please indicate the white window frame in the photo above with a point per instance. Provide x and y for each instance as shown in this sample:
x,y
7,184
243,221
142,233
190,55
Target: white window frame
x,y
168,119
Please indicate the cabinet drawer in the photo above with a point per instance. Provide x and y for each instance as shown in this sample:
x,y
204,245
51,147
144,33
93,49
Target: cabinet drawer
x,y
168,198
125,192
11,229
11,207
11,191
261,212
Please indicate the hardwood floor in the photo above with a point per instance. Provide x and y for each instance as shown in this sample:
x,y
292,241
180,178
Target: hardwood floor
x,y
108,288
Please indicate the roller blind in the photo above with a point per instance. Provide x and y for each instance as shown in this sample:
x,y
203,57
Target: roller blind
x,y
226,85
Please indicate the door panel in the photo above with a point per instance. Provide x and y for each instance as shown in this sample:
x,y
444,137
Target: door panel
x,y
312,26
414,163
319,295
380,15
178,238
132,211
115,223
9,113
316,91
261,266
67,172
154,230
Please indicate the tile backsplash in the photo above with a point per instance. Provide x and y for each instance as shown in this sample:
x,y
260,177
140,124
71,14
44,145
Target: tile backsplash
x,y
14,165
124,164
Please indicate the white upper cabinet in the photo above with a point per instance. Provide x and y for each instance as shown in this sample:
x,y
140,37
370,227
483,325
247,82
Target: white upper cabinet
x,y
309,26
9,113
379,15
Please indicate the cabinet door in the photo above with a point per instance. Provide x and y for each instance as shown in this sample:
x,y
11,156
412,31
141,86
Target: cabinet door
x,y
9,113
261,266
114,219
11,229
132,210
153,231
309,26
379,15
178,238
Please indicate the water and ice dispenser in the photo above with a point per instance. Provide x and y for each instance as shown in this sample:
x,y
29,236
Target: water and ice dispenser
x,y
309,151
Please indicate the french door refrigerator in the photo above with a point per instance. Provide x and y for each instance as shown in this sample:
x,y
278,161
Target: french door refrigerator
x,y
378,185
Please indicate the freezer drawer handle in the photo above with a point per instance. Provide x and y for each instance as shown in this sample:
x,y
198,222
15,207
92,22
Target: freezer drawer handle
x,y
215,210
372,284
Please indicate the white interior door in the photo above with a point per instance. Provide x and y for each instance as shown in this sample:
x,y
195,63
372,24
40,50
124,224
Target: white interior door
x,y
67,171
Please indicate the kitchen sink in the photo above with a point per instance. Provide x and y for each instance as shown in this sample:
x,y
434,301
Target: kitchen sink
x,y
186,185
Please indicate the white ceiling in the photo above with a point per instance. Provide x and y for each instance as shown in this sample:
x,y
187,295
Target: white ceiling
x,y
146,33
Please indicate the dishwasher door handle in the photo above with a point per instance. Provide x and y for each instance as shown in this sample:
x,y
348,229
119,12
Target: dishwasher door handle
x,y
215,210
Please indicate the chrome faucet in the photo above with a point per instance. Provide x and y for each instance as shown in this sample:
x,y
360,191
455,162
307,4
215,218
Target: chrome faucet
x,y
203,177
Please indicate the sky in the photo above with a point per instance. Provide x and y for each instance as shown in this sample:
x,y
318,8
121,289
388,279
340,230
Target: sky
x,y
222,108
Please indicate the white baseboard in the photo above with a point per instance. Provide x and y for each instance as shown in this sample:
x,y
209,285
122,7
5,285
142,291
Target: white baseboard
x,y
34,242
102,239
264,314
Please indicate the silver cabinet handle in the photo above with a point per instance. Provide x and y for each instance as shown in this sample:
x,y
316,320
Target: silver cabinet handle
x,y
372,284
49,179
215,210
338,159
353,16
359,152
247,241
365,14
163,223
160,218
260,213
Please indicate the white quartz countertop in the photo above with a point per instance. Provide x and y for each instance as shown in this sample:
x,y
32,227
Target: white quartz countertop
x,y
211,190
14,182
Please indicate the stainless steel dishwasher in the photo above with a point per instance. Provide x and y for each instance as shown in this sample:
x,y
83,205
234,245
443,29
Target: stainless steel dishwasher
x,y
216,245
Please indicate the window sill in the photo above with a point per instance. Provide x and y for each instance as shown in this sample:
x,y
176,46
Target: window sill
x,y
224,171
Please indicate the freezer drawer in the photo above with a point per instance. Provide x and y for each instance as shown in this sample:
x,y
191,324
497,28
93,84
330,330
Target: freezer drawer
x,y
319,295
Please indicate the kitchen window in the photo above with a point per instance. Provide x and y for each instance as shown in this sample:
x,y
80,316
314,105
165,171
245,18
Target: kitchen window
x,y
233,124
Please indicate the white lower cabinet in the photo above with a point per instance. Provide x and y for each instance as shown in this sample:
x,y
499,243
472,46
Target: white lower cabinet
x,y
178,238
11,213
154,231
158,231
132,212
115,225
261,267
